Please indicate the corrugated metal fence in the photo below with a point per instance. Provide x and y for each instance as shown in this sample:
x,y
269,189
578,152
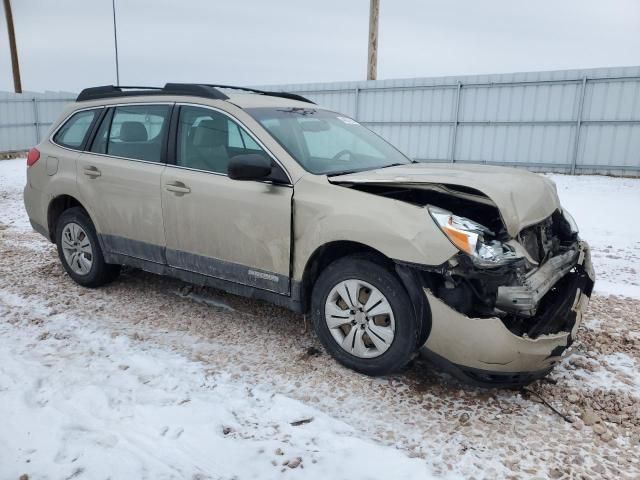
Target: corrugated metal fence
x,y
25,118
582,121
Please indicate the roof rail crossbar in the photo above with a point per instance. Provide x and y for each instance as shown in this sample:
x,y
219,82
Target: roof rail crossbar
x,y
113,91
196,89
106,91
290,96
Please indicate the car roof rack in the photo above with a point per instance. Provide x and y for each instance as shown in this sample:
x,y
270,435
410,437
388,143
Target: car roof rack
x,y
195,89
290,96
113,91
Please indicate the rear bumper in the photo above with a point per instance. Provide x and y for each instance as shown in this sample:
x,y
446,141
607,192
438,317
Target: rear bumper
x,y
33,201
485,351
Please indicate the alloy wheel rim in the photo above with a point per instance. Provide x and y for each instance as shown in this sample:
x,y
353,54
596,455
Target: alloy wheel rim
x,y
360,318
77,249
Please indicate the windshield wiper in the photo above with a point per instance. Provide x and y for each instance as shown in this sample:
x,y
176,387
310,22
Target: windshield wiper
x,y
347,172
395,165
342,172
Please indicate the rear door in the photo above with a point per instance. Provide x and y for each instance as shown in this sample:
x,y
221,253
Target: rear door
x,y
120,179
238,231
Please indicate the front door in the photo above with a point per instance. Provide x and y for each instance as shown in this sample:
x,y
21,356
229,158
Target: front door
x,y
119,178
238,231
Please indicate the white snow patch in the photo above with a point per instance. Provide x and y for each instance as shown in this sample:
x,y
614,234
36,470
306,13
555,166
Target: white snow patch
x,y
79,401
13,178
613,372
606,211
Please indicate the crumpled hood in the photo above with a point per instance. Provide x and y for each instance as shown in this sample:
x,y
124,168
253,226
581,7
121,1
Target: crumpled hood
x,y
523,198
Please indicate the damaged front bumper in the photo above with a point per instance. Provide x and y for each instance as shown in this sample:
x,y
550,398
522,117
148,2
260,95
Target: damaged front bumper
x,y
485,351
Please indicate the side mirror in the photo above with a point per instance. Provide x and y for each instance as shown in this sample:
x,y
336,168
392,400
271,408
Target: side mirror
x,y
249,167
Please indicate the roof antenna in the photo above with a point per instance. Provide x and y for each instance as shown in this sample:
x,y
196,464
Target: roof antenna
x,y
115,41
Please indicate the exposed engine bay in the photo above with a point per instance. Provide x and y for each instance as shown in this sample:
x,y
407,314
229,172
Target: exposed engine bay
x,y
528,281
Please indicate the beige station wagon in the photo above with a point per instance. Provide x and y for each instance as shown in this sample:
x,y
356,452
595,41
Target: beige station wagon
x,y
267,195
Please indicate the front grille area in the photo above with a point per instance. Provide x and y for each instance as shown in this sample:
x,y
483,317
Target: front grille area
x,y
538,240
554,313
545,239
529,240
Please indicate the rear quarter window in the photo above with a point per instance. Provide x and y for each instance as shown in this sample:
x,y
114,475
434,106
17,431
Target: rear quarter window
x,y
75,130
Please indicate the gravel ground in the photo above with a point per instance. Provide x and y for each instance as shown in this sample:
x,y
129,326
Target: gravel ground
x,y
456,429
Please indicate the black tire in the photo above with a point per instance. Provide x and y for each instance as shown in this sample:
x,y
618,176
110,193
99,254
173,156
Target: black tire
x,y
100,272
366,269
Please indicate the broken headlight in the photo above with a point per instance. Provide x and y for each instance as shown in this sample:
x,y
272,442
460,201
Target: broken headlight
x,y
473,239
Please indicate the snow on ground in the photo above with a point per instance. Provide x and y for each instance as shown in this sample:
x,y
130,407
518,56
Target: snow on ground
x,y
13,177
152,378
80,401
607,211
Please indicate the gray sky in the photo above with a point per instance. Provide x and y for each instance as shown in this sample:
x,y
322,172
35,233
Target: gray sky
x,y
68,44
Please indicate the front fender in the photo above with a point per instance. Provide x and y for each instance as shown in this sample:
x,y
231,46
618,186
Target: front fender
x,y
325,213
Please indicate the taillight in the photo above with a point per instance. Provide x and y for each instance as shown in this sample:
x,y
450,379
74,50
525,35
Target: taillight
x,y
33,156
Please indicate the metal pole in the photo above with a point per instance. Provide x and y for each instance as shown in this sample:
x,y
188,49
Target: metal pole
x,y
372,63
356,103
17,83
576,146
115,40
452,152
36,119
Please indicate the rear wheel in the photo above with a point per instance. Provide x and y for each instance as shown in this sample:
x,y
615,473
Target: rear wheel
x,y
363,316
80,252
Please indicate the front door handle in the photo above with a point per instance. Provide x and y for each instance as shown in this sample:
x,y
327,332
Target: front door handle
x,y
177,187
92,171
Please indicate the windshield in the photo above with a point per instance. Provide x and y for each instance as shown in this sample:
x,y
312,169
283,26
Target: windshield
x,y
325,142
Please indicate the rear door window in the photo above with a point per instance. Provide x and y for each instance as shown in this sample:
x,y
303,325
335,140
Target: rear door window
x,y
74,132
136,131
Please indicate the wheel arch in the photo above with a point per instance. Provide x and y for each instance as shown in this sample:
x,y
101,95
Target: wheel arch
x,y
57,206
409,277
329,253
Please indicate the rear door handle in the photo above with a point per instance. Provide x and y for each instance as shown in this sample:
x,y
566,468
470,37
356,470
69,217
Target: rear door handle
x,y
177,187
92,172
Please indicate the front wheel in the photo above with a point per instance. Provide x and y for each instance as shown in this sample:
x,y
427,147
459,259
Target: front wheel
x,y
363,316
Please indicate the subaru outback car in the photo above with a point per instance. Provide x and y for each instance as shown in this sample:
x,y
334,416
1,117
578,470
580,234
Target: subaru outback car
x,y
267,195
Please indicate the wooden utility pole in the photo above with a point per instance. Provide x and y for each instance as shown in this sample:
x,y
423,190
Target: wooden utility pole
x,y
17,84
372,65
